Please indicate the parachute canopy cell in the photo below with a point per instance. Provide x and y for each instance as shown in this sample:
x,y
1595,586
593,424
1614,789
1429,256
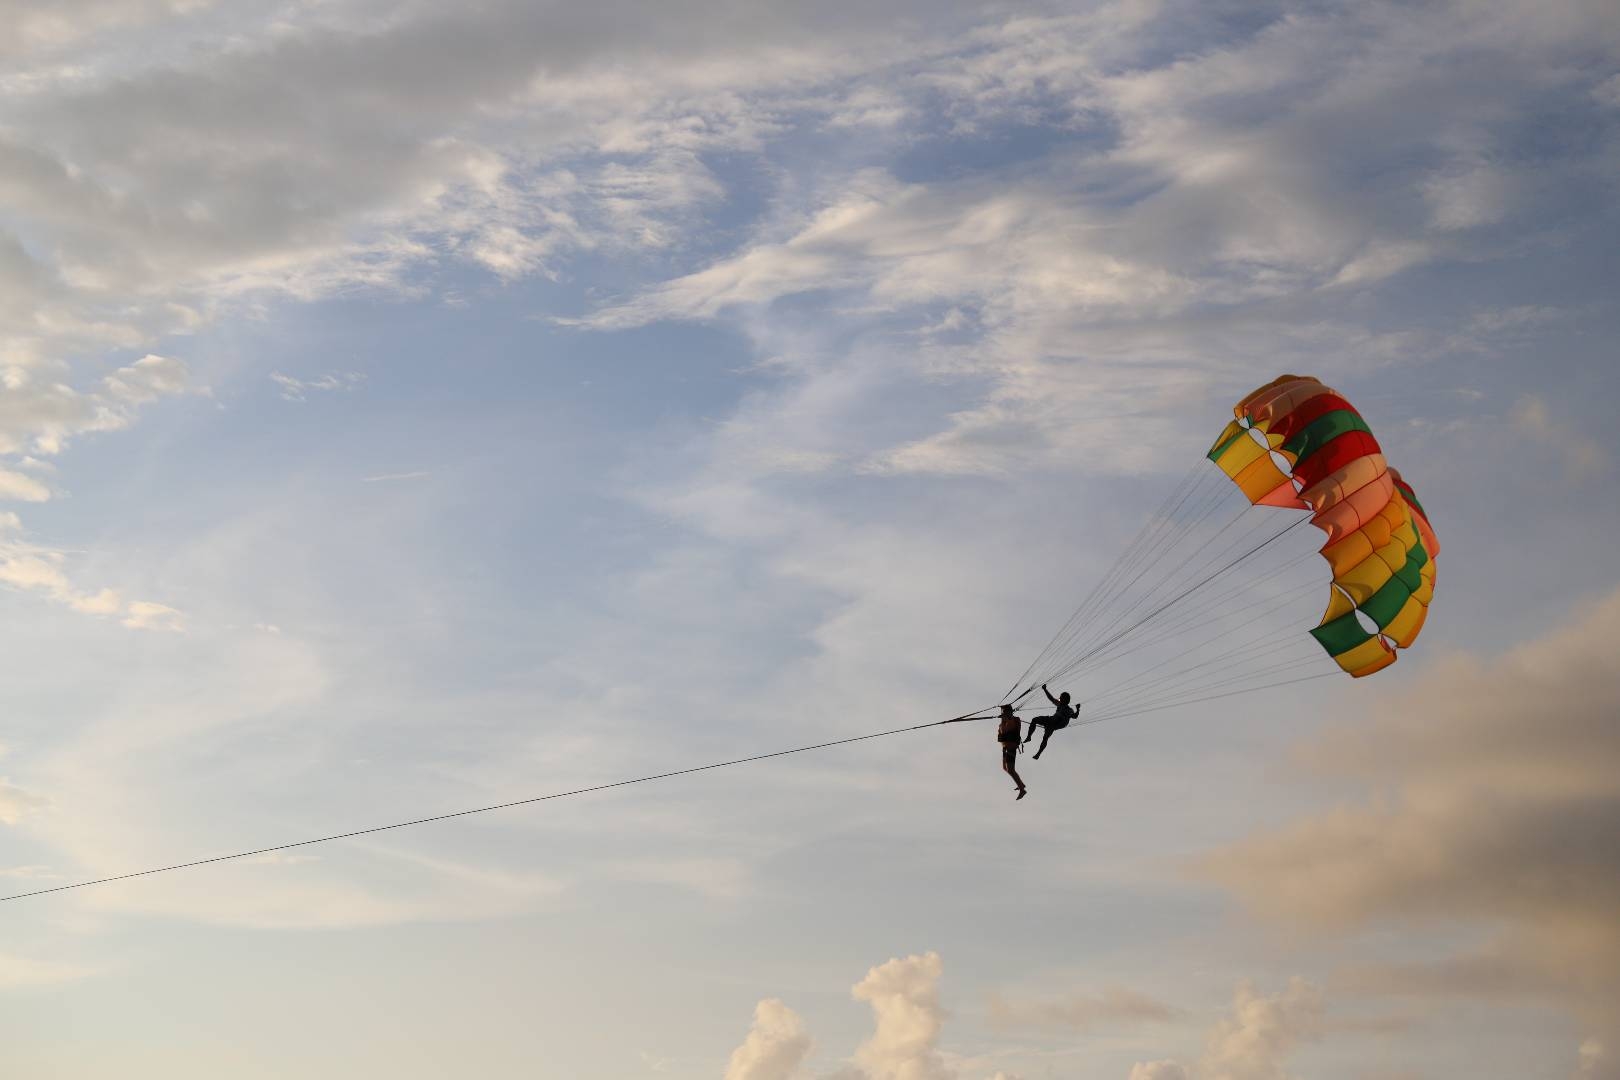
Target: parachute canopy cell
x,y
1297,444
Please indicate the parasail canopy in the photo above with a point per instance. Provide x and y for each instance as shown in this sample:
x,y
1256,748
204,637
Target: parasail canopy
x,y
1297,444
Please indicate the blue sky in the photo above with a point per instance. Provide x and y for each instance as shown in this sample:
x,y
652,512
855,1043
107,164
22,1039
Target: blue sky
x,y
406,408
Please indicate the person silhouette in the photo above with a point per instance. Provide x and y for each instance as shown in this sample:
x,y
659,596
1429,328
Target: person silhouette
x,y
1007,734
1062,713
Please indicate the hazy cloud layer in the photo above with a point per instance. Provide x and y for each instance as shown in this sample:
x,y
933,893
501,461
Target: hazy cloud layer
x,y
1497,806
1115,1005
24,973
16,803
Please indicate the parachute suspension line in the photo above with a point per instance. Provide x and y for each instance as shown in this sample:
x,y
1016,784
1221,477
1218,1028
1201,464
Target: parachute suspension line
x,y
1155,551
1080,662
1121,565
1171,682
1168,580
1176,528
1179,686
1199,616
1235,645
1233,655
1210,697
1259,596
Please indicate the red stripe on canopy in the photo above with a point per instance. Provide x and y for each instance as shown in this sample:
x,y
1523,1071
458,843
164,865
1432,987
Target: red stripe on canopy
x,y
1335,454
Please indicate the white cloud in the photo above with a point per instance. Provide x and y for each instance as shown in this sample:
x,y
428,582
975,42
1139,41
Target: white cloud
x,y
147,379
22,487
1203,207
17,803
22,973
1583,457
1593,1062
39,412
1159,1070
1254,1041
775,1047
1466,198
1380,259
1608,92
1112,1007
160,185
34,568
146,615
904,997
295,389
27,566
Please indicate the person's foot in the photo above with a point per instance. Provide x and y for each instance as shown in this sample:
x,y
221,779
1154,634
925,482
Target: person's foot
x,y
1037,755
1021,793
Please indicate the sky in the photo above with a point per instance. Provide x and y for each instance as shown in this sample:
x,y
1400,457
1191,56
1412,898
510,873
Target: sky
x,y
411,407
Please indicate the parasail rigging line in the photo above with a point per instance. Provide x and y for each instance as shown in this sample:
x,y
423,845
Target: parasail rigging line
x,y
1125,574
1201,513
1206,697
981,714
1121,565
1187,513
1204,497
1197,558
1211,610
1156,612
496,806
1238,673
1265,641
1215,609
1175,577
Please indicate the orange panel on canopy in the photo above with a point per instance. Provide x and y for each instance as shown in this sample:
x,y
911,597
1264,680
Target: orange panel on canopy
x,y
1351,514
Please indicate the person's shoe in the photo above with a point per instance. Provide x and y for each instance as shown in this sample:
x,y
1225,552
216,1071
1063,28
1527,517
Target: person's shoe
x,y
1021,793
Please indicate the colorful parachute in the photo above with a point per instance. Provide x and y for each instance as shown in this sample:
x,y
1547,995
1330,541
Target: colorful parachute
x,y
1298,444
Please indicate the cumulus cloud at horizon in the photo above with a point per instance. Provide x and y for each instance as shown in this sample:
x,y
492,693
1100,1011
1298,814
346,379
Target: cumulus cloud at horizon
x,y
1254,1040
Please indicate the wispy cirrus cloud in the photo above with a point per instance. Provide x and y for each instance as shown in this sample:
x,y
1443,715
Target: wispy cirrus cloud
x,y
296,389
43,570
17,803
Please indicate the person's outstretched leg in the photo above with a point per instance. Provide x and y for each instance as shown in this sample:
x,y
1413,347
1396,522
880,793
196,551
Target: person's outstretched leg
x,y
1046,736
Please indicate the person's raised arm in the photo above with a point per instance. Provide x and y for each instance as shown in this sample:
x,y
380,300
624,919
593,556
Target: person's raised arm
x,y
1049,696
